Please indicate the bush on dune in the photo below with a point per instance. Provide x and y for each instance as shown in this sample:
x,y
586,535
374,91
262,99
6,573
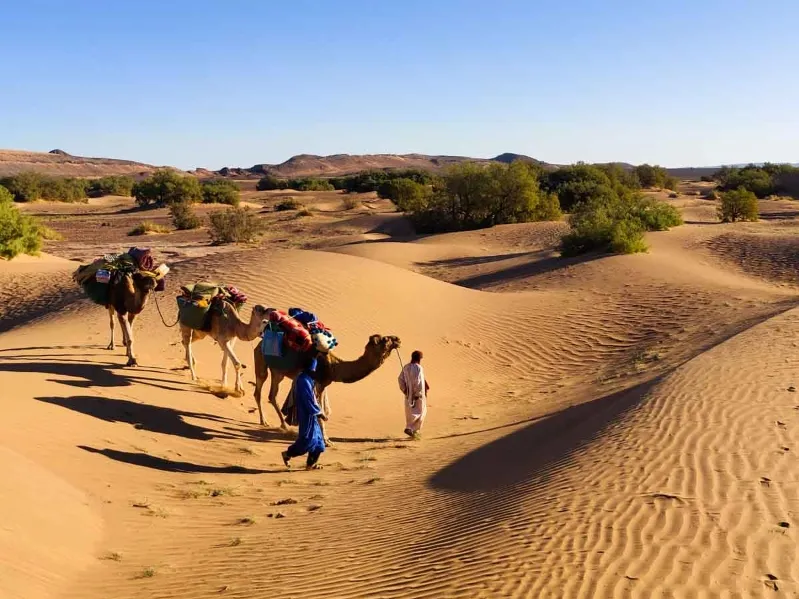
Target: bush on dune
x,y
19,233
608,222
235,225
29,187
183,216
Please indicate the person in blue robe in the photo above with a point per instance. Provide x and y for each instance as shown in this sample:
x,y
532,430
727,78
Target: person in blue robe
x,y
310,439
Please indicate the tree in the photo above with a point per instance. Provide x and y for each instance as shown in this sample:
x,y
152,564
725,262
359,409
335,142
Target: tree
x,y
19,233
655,176
270,183
408,195
220,192
63,189
576,183
739,204
165,187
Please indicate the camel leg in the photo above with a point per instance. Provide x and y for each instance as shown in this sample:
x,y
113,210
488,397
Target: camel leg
x,y
127,333
274,387
186,335
259,385
237,365
111,314
225,358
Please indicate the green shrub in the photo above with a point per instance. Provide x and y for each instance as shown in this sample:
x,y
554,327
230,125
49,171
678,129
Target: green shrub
x,y
655,176
25,187
165,187
235,225
270,183
737,205
114,185
627,237
66,189
146,227
712,194
287,204
183,216
221,192
49,234
310,184
19,233
607,222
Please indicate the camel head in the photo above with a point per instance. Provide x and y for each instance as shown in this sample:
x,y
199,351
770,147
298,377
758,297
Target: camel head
x,y
143,283
381,347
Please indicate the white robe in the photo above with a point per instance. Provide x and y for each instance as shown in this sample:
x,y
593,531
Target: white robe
x,y
413,385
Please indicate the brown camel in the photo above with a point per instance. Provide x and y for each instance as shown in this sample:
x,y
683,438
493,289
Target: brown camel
x,y
225,327
127,297
331,369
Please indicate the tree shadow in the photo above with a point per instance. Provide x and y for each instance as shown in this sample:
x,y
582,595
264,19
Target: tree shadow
x,y
527,454
541,262
94,374
156,463
155,419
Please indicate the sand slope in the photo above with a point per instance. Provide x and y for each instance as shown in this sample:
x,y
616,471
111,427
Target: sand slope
x,y
605,427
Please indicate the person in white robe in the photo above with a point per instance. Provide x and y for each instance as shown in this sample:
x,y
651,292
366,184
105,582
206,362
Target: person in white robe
x,y
414,386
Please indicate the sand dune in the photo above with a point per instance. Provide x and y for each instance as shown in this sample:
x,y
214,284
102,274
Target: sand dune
x,y
607,427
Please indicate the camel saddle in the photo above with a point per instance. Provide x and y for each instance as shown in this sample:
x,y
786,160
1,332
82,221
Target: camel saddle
x,y
95,278
196,302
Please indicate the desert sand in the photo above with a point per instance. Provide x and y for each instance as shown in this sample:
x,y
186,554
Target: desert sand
x,y
617,426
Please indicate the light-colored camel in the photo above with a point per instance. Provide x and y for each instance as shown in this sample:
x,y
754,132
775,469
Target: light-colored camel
x,y
330,369
127,297
225,327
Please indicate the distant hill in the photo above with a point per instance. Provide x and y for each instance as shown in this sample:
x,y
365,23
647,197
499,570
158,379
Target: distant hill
x,y
310,165
59,163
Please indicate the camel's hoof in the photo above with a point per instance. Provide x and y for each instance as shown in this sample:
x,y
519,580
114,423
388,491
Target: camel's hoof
x,y
329,443
132,363
110,346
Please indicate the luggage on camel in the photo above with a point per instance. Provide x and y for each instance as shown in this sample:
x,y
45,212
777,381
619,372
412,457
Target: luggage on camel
x,y
321,336
284,340
96,278
196,302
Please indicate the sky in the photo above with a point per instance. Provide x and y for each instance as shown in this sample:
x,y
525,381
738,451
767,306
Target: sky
x,y
237,83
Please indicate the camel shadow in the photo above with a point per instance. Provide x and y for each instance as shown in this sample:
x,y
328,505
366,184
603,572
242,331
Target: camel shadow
x,y
148,461
541,262
528,454
155,419
93,374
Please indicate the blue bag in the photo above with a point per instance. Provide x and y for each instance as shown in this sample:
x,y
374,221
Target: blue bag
x,y
272,343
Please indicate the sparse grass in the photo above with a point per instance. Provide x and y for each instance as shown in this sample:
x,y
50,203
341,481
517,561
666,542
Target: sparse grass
x,y
287,501
113,556
367,458
221,492
248,450
146,227
246,521
372,481
235,542
148,572
288,204
314,508
235,225
351,203
49,234
304,212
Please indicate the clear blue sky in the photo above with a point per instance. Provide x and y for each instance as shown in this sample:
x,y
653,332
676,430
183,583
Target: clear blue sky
x,y
237,83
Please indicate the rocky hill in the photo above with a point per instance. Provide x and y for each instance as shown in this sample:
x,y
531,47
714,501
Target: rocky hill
x,y
60,163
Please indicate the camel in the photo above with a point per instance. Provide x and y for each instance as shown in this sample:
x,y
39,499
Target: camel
x,y
127,297
225,327
331,369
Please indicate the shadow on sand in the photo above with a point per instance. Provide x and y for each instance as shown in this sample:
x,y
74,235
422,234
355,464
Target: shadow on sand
x,y
93,374
155,419
527,454
156,463
541,262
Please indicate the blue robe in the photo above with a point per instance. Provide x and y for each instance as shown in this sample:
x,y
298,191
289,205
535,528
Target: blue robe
x,y
310,437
